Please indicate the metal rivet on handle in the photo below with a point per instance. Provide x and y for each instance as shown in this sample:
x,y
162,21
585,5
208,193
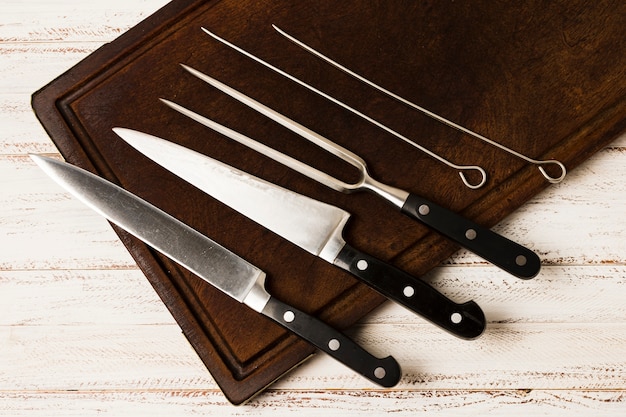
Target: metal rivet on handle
x,y
362,265
380,372
423,210
520,260
289,316
334,344
408,291
470,234
456,318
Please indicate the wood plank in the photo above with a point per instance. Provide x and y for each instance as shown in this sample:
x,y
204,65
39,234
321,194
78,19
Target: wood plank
x,y
79,297
74,357
28,67
71,21
508,356
190,402
20,132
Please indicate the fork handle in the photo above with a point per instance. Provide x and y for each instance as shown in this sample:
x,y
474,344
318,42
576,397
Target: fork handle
x,y
466,321
502,252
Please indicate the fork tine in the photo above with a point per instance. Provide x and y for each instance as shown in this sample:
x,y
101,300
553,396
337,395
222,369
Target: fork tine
x,y
280,157
294,126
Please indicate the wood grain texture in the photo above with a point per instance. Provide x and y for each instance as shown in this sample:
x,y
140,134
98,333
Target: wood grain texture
x,y
157,357
320,403
82,333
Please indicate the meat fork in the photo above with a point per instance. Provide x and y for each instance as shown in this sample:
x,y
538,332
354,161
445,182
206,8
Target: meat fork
x,y
506,254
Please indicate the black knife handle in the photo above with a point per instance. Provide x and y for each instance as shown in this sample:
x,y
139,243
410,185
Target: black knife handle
x,y
500,251
466,320
384,372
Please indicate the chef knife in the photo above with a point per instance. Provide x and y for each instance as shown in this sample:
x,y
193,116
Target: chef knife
x,y
310,224
215,264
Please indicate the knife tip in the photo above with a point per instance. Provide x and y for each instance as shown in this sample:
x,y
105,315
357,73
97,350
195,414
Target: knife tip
x,y
42,160
46,163
119,130
37,158
126,134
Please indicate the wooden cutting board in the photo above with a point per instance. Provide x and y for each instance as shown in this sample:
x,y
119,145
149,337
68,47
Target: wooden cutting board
x,y
542,78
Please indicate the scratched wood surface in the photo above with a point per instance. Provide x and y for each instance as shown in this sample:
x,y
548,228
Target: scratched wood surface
x,y
83,333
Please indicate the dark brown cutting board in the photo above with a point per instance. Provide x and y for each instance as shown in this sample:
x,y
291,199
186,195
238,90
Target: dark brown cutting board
x,y
545,78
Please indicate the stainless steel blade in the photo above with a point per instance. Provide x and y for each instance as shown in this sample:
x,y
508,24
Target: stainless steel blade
x,y
196,252
310,224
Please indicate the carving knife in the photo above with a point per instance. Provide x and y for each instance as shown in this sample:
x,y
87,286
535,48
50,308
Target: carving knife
x,y
215,264
491,246
310,224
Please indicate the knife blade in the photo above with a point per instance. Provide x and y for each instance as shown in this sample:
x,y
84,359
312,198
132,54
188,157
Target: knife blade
x,y
310,224
213,263
508,255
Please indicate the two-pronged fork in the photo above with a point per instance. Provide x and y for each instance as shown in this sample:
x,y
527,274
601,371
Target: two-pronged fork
x,y
497,249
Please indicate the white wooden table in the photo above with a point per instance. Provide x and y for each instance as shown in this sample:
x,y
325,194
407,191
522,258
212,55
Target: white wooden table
x,y
83,333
